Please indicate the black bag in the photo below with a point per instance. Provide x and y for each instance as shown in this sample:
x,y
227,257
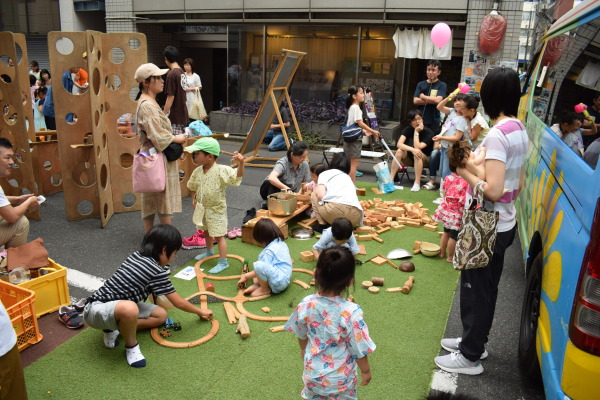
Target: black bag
x,y
173,151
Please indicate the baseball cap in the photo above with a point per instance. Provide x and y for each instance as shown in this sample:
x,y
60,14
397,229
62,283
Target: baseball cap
x,y
209,145
145,71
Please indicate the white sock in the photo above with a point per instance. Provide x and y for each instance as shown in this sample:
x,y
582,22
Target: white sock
x,y
110,339
134,355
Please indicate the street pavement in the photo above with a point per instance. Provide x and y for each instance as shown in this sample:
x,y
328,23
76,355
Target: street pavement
x,y
93,253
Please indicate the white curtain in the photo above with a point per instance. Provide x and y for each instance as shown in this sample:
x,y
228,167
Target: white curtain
x,y
417,43
590,76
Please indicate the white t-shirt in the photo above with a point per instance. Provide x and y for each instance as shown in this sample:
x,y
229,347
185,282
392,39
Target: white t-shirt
x,y
573,139
340,188
3,200
354,114
192,82
453,123
479,120
7,332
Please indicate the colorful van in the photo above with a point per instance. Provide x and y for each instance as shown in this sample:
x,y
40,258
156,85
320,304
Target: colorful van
x,y
558,212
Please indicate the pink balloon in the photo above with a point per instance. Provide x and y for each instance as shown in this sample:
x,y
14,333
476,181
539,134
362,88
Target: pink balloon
x,y
440,34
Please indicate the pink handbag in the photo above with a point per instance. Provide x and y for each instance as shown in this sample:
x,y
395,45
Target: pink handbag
x,y
149,175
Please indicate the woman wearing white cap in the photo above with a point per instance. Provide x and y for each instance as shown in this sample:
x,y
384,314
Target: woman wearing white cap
x,y
154,130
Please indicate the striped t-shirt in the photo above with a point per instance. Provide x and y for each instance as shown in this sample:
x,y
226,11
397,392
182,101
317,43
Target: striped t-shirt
x,y
507,142
135,279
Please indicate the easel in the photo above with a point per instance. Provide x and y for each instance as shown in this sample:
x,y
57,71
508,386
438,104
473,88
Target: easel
x,y
276,92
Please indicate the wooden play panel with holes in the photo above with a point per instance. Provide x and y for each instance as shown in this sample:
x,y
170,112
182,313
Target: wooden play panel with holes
x,y
203,298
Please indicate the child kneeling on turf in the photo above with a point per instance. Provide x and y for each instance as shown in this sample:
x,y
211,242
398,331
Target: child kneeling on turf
x,y
331,331
273,270
118,306
340,234
208,184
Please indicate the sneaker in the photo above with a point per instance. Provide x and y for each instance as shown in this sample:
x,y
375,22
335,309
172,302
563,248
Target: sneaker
x,y
451,345
251,213
415,188
110,339
456,362
194,242
70,317
79,306
438,200
134,356
358,173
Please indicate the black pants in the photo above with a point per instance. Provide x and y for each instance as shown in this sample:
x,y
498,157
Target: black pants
x,y
478,293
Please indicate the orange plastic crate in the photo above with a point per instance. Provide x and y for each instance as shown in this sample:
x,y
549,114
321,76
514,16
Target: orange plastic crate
x,y
18,302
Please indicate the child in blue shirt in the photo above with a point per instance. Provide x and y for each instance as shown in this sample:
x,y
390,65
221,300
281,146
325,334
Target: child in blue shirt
x,y
273,270
340,234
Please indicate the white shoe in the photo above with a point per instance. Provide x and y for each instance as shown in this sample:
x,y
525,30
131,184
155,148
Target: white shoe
x,y
416,187
451,345
456,362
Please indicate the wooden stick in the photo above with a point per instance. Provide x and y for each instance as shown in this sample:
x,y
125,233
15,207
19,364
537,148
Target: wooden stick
x,y
278,328
229,311
394,289
408,285
387,260
243,328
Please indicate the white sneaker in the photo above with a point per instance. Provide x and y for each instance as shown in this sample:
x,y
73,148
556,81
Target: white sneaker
x,y
134,355
110,339
416,187
451,345
456,362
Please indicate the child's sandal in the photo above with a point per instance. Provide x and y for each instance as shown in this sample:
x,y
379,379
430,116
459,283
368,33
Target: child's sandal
x,y
231,234
237,231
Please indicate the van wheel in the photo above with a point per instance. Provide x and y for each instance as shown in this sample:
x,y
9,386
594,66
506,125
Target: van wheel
x,y
528,361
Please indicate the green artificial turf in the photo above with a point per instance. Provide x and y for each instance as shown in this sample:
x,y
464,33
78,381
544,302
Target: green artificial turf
x,y
406,329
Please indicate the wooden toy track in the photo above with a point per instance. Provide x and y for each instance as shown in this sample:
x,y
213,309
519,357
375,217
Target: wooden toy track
x,y
204,297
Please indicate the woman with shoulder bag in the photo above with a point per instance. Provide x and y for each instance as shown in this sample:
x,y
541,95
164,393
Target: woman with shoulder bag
x,y
506,147
154,131
354,129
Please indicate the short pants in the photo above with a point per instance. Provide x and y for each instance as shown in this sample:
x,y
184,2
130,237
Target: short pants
x,y
101,315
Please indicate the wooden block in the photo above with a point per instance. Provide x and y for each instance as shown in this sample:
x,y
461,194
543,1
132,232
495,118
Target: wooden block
x,y
414,224
429,227
361,191
373,290
307,256
399,226
377,239
413,214
387,224
367,284
243,328
380,231
262,213
440,234
351,298
399,202
313,282
396,212
381,217
266,310
376,191
229,311
364,238
394,289
378,260
417,245
362,250
301,283
278,328
378,200
418,204
309,221
377,281
363,229
408,285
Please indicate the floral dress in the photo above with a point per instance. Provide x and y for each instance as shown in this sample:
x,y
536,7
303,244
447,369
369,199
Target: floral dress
x,y
450,212
337,335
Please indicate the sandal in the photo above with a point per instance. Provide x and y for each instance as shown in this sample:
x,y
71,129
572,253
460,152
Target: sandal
x,y
231,234
237,231
428,186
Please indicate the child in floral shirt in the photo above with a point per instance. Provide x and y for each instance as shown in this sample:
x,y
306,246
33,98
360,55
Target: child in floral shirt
x,y
333,336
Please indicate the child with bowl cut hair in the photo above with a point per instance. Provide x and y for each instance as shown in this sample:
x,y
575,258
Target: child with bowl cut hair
x,y
340,234
333,336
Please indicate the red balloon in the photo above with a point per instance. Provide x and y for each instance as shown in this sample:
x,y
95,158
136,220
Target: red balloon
x,y
491,33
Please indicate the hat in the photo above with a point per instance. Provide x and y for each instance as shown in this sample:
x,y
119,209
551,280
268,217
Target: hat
x,y
145,71
207,144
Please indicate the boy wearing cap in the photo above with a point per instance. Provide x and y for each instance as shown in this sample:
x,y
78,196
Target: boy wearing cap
x,y
208,184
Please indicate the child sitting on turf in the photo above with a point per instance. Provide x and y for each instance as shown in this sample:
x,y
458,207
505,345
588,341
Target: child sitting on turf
x,y
450,211
332,334
340,234
208,184
118,306
273,270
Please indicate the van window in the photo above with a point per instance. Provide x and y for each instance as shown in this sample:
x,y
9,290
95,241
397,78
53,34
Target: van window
x,y
568,81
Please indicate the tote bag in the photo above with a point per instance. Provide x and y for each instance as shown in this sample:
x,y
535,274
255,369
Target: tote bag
x,y
149,175
197,110
477,238
351,133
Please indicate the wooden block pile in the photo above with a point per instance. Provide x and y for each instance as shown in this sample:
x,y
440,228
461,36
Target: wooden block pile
x,y
393,214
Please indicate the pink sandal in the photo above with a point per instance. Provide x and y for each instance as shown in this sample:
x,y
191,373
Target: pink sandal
x,y
231,234
237,231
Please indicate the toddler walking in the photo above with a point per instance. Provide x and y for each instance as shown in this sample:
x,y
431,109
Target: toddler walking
x,y
208,183
273,270
333,336
450,211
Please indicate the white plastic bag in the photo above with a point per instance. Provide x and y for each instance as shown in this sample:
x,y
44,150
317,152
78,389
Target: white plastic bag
x,y
384,179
